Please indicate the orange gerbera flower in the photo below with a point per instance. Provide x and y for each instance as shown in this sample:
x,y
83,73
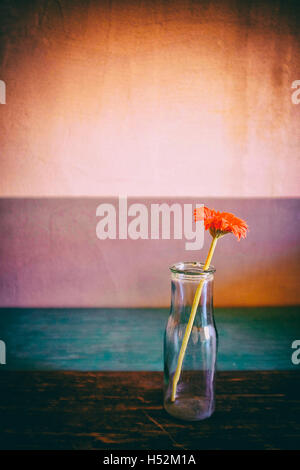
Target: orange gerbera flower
x,y
221,223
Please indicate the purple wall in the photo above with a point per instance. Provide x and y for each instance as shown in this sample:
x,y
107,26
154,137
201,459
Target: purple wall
x,y
50,256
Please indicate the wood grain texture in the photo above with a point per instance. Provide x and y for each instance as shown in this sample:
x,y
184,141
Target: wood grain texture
x,y
123,410
132,339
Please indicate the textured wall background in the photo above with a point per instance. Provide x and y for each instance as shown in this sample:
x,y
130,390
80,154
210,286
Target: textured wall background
x,y
50,256
149,98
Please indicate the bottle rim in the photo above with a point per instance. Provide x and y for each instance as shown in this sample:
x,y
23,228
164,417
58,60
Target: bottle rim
x,y
191,268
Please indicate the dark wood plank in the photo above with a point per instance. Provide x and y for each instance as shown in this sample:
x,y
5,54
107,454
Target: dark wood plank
x,y
123,410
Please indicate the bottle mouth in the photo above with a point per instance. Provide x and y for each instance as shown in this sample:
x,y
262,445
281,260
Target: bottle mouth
x,y
191,268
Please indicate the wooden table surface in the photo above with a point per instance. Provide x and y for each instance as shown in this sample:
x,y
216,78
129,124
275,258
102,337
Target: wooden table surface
x,y
123,410
93,339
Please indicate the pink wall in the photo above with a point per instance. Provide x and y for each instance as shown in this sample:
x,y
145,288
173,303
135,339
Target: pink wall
x,y
148,98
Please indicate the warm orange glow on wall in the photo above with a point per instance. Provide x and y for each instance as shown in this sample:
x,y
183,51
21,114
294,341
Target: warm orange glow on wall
x,y
148,98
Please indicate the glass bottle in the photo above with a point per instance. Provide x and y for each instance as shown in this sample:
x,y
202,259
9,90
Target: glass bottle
x,y
193,397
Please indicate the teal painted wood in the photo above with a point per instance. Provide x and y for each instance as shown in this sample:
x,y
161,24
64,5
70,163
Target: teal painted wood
x,y
132,339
